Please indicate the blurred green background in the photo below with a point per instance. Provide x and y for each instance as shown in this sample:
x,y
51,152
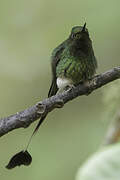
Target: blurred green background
x,y
29,31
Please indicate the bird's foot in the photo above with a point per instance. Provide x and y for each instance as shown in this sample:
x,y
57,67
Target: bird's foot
x,y
66,88
69,87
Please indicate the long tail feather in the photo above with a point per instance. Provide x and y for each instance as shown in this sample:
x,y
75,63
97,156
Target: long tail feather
x,y
53,89
24,157
35,130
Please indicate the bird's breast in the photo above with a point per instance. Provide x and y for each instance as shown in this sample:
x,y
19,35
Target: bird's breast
x,y
76,70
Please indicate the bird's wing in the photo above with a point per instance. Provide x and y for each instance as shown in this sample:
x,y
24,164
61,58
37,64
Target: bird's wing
x,y
56,55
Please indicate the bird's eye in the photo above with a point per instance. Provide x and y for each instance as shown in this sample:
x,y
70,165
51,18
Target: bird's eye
x,y
77,35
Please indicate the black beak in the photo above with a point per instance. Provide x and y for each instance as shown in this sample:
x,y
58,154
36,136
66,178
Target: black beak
x,y
83,29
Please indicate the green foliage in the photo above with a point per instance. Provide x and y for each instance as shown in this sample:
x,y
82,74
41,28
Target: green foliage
x,y
104,165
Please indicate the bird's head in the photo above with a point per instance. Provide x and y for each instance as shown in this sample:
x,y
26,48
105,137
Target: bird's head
x,y
79,32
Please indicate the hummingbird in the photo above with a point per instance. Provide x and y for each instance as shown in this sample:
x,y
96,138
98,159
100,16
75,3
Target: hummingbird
x,y
72,62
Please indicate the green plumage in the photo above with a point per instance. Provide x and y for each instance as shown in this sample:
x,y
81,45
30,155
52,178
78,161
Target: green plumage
x,y
73,59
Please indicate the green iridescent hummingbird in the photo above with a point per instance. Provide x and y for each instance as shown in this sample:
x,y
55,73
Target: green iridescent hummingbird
x,y
73,61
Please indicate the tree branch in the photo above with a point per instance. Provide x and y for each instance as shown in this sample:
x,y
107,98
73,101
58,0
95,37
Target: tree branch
x,y
26,117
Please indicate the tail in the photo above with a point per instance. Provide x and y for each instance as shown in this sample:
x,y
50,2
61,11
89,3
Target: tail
x,y
35,130
23,157
53,89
